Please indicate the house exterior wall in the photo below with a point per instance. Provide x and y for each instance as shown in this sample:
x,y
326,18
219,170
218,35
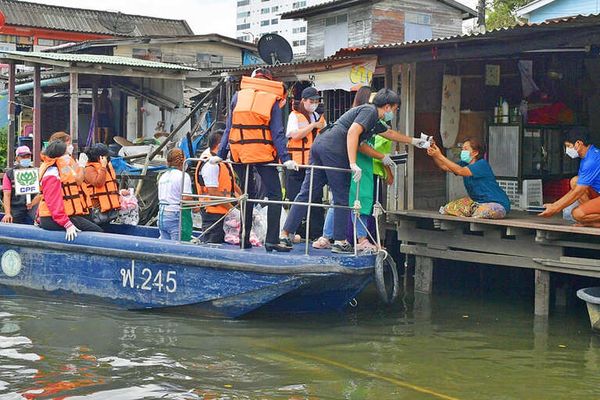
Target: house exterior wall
x,y
564,8
384,22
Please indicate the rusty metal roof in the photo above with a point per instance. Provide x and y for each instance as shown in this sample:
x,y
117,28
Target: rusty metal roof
x,y
22,13
334,5
52,58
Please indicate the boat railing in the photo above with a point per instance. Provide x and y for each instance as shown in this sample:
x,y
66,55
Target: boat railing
x,y
193,201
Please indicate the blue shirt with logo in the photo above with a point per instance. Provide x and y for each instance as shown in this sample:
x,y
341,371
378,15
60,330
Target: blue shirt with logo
x,y
589,169
482,187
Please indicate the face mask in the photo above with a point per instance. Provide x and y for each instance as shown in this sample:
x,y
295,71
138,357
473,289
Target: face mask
x,y
388,116
70,149
465,156
571,152
311,108
25,163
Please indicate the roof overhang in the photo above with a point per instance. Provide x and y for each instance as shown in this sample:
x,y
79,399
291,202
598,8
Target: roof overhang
x,y
534,5
89,64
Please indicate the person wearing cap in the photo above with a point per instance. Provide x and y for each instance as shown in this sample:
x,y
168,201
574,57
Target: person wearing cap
x,y
17,208
254,137
304,124
585,187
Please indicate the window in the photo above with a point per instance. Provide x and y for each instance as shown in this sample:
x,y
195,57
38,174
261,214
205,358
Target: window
x,y
243,14
264,23
241,27
274,21
297,43
340,19
242,3
275,9
265,10
299,4
418,18
417,26
147,54
301,29
336,34
204,60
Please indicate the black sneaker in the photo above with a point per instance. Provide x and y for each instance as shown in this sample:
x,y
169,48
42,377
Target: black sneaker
x,y
342,248
286,242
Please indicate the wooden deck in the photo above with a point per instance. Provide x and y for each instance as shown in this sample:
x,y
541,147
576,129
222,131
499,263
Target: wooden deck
x,y
521,241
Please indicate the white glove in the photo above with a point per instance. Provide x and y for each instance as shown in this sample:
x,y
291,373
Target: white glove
x,y
387,161
291,165
420,143
356,172
82,160
214,160
71,233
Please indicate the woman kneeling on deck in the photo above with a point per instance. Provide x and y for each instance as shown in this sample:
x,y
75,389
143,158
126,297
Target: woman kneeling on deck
x,y
486,198
64,204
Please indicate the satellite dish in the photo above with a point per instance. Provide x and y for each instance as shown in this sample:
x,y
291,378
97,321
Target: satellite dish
x,y
274,49
116,22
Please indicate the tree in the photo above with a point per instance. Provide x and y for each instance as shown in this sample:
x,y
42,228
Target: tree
x,y
501,13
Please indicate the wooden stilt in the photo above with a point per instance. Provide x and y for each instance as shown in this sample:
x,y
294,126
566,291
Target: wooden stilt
x,y
423,274
74,108
37,115
542,293
10,148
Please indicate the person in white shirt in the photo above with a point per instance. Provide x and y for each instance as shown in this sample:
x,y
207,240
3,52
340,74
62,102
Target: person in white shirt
x,y
170,195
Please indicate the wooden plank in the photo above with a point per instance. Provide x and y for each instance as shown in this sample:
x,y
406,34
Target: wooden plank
x,y
423,274
37,115
542,293
74,109
10,146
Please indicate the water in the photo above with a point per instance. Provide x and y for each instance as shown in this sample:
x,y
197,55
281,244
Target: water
x,y
451,347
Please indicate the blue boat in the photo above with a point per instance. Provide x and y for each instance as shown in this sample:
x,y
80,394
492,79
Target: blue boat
x,y
130,267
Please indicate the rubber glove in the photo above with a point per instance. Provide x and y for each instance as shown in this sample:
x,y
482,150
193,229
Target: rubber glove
x,y
356,172
214,160
387,161
71,233
82,160
291,165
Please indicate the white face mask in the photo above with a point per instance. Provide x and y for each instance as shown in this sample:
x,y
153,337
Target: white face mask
x,y
311,108
571,152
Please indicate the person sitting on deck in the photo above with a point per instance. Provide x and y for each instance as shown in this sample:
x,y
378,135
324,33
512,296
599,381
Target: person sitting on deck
x,y
585,187
486,198
214,180
19,209
101,185
64,204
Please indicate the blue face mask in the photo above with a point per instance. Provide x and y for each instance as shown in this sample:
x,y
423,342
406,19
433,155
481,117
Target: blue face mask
x,y
465,156
388,116
25,163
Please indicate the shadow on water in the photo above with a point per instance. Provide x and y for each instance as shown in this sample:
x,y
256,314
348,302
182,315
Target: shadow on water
x,y
455,344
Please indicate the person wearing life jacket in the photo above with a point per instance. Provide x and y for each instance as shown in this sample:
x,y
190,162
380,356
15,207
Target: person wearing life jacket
x,y
101,185
63,204
304,124
254,137
18,209
214,180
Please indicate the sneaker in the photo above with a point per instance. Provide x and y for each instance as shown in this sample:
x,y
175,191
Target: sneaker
x,y
342,248
364,246
321,243
286,242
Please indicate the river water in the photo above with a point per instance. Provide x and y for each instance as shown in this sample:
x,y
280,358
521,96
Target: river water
x,y
449,347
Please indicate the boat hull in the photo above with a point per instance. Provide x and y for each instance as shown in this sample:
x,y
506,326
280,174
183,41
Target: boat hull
x,y
591,296
138,271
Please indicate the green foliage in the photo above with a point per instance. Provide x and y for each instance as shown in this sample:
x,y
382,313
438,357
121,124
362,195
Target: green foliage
x,y
501,13
3,144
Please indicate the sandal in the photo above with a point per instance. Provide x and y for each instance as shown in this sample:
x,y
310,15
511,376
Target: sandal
x,y
321,243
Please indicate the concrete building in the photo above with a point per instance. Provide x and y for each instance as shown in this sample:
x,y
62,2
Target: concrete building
x,y
258,17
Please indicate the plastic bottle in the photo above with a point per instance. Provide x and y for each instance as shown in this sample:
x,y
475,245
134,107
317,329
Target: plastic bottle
x,y
505,116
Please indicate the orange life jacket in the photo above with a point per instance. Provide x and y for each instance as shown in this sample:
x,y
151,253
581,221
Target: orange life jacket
x,y
250,139
74,199
106,197
226,186
299,149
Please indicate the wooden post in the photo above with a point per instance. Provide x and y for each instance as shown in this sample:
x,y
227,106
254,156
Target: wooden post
x,y
423,274
10,148
74,109
407,124
37,115
94,108
542,293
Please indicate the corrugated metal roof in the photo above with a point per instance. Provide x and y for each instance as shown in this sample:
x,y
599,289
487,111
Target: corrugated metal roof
x,y
556,24
21,13
94,59
281,66
339,4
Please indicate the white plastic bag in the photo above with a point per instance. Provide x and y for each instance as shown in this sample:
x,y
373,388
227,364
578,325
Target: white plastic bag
x,y
129,213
